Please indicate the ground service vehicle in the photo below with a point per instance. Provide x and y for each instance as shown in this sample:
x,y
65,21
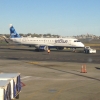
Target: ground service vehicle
x,y
88,49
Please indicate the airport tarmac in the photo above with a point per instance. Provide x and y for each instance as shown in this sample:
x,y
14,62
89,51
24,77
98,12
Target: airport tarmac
x,y
47,78
26,53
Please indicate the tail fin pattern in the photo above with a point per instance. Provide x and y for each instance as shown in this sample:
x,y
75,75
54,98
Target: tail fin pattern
x,y
13,33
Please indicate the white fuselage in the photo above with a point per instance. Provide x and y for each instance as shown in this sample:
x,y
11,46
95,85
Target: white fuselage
x,y
59,42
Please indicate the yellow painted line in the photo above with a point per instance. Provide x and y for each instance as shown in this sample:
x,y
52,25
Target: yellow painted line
x,y
11,46
94,44
59,92
33,62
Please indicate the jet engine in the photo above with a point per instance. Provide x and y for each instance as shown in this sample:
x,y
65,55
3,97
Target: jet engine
x,y
42,47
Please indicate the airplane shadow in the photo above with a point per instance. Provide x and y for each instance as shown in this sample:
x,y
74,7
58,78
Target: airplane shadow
x,y
70,72
33,49
20,49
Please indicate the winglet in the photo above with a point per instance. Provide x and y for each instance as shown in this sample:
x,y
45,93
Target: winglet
x,y
10,25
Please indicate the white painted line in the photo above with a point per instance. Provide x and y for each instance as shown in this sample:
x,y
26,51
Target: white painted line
x,y
53,79
26,77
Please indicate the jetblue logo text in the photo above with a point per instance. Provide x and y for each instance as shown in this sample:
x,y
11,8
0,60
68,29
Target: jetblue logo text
x,y
61,41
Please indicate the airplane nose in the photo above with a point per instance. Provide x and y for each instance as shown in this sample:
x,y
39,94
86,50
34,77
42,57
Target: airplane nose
x,y
82,45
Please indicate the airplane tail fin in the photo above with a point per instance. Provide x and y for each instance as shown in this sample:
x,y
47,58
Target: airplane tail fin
x,y
13,33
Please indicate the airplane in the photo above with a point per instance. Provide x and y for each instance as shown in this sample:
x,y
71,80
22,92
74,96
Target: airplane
x,y
44,43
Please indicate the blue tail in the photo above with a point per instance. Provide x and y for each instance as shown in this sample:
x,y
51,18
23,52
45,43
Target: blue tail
x,y
13,33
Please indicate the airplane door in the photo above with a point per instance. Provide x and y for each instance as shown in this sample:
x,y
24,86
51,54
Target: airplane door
x,y
44,41
24,40
69,42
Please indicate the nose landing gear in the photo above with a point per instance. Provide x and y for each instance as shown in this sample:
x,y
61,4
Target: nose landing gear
x,y
74,49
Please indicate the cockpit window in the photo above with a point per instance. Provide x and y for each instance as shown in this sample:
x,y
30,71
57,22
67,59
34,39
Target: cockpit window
x,y
76,41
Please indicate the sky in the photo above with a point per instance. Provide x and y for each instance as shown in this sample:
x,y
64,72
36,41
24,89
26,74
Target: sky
x,y
62,17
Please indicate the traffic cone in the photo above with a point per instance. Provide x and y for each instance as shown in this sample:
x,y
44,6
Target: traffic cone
x,y
82,69
85,69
